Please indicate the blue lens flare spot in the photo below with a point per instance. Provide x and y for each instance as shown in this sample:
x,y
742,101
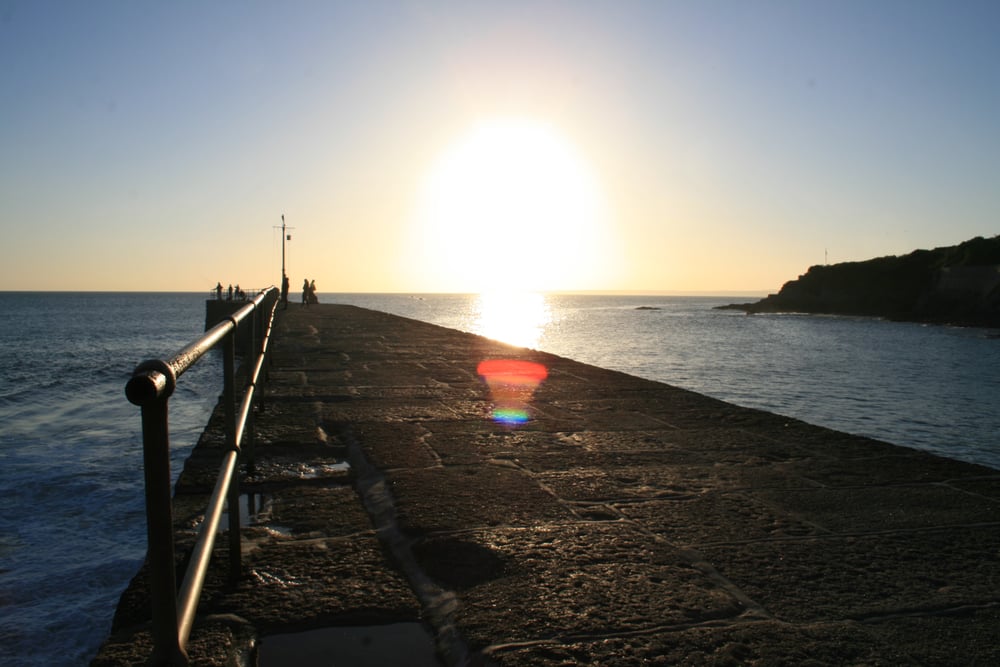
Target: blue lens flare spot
x,y
509,416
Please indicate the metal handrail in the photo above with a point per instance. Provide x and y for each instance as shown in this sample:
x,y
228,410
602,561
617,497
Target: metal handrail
x,y
250,293
150,387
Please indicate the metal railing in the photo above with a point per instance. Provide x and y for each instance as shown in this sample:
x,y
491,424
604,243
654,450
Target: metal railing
x,y
150,387
248,294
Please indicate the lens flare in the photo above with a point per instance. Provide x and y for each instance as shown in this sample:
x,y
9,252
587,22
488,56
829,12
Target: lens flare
x,y
512,383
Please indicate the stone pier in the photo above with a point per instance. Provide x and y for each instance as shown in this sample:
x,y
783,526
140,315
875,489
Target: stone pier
x,y
393,519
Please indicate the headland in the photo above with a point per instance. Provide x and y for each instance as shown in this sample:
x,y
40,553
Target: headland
x,y
951,285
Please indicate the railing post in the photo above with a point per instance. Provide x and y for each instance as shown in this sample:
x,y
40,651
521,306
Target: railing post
x,y
151,386
160,534
233,497
249,452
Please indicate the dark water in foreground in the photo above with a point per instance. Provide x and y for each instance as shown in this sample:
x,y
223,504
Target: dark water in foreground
x,y
72,519
72,527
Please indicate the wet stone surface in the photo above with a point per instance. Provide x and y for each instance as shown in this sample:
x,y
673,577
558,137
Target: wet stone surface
x,y
316,511
626,522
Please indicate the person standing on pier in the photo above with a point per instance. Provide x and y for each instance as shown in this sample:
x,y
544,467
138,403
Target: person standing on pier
x,y
305,292
218,291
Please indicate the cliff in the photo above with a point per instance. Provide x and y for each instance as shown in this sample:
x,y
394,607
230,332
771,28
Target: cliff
x,y
953,285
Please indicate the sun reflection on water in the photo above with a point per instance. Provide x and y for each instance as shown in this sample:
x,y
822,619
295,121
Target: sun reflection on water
x,y
518,318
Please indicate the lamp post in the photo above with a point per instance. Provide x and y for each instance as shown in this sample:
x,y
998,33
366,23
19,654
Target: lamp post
x,y
285,236
283,239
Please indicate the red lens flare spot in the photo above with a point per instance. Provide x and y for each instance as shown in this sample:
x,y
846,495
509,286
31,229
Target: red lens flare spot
x,y
511,370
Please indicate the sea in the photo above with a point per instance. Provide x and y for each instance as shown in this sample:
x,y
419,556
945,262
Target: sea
x,y
72,523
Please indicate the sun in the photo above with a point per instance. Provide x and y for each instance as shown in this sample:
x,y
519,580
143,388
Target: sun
x,y
511,205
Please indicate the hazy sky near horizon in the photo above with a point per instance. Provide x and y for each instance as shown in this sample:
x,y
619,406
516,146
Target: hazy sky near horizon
x,y
443,146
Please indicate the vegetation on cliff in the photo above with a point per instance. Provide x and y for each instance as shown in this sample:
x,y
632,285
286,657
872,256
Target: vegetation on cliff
x,y
955,284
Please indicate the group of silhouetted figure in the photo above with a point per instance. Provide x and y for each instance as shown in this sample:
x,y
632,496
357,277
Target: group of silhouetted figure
x,y
237,294
232,294
309,292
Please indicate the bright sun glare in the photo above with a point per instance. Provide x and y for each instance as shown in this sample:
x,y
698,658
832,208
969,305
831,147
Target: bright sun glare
x,y
511,206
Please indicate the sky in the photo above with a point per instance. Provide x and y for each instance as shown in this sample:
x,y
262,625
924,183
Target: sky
x,y
683,147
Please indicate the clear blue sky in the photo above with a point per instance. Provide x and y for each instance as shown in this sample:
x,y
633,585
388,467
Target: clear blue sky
x,y
430,146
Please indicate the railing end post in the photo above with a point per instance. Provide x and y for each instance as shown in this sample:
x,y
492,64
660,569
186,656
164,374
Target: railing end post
x,y
151,380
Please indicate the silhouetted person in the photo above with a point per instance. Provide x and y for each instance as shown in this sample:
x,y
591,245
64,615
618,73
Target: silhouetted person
x,y
218,291
312,292
230,298
305,292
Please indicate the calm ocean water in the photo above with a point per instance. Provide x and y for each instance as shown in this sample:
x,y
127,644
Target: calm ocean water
x,y
72,530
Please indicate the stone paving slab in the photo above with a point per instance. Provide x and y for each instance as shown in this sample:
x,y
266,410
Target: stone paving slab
x,y
877,508
627,522
882,574
308,583
468,497
717,517
546,581
728,645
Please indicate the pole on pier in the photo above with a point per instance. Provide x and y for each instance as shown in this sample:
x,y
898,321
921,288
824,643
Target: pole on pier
x,y
285,236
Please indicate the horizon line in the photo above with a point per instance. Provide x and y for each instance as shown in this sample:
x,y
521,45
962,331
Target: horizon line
x,y
616,292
